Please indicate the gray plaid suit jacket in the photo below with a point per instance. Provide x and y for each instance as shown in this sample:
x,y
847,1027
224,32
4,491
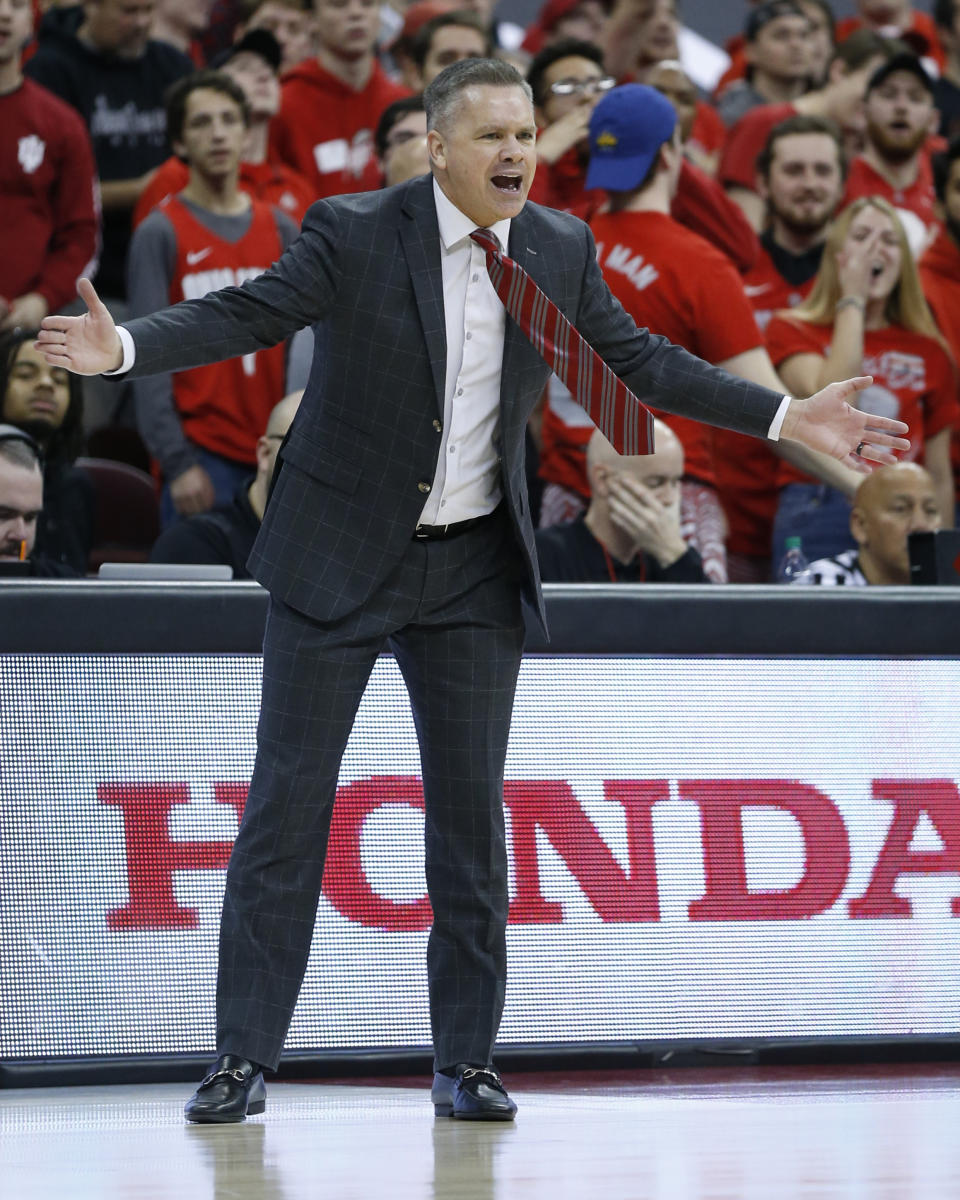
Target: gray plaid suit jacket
x,y
365,274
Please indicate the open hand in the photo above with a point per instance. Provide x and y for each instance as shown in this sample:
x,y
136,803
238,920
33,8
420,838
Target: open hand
x,y
86,345
654,527
826,422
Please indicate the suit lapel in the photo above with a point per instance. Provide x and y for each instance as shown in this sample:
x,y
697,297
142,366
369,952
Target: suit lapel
x,y
420,238
517,348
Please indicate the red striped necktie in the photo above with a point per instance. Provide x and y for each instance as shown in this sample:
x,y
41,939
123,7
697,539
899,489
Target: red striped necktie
x,y
605,398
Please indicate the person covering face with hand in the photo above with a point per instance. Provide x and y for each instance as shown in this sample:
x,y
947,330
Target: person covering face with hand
x,y
631,530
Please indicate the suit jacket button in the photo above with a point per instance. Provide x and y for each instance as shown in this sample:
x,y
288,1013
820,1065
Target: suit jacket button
x,y
423,487
437,426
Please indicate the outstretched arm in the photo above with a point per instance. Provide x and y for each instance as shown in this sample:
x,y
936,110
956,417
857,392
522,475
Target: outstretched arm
x,y
298,290
666,376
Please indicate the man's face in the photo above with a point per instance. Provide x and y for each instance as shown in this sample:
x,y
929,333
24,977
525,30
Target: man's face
x,y
660,473
951,200
819,39
292,28
805,184
900,115
567,84
259,83
660,32
405,156
16,26
671,82
585,23
348,28
213,134
451,44
21,501
899,501
120,27
485,160
37,396
781,48
191,16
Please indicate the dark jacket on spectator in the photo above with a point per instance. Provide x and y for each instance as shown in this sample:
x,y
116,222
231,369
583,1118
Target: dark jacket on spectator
x,y
571,554
66,527
223,535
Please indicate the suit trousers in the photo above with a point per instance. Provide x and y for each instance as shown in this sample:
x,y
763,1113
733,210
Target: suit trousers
x,y
451,613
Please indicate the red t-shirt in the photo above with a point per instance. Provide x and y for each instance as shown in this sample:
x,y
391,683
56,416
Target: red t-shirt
x,y
919,198
708,132
272,183
48,235
324,129
747,469
224,406
913,379
738,165
676,284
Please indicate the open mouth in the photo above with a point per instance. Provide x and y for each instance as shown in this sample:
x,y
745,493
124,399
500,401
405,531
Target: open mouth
x,y
876,270
509,184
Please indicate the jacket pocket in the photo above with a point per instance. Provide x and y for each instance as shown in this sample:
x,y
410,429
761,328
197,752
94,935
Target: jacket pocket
x,y
320,464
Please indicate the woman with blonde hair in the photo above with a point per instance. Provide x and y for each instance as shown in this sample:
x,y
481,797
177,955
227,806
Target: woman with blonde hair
x,y
866,315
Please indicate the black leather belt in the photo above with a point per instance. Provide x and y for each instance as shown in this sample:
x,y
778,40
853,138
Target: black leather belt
x,y
438,533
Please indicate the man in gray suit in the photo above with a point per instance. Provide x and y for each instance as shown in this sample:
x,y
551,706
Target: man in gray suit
x,y
399,517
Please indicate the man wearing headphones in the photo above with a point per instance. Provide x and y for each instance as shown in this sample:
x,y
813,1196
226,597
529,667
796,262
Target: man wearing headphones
x,y
21,502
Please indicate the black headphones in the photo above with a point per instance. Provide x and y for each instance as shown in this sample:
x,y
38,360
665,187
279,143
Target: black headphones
x,y
10,433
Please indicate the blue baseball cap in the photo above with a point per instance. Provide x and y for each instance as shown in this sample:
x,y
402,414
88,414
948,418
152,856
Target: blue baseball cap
x,y
627,128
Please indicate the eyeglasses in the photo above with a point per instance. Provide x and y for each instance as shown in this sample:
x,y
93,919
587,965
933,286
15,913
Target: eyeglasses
x,y
575,87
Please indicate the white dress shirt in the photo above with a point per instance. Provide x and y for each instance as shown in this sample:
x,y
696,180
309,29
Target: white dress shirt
x,y
466,482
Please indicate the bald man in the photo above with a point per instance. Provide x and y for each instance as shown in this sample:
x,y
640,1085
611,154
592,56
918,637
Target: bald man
x,y
630,532
890,504
225,534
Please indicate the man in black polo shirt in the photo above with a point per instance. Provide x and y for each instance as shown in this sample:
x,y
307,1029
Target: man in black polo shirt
x,y
226,534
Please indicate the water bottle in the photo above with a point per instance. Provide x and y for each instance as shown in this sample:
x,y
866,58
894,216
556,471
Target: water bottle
x,y
793,563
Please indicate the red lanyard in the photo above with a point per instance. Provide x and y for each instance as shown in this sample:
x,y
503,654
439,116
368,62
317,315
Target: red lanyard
x,y
612,570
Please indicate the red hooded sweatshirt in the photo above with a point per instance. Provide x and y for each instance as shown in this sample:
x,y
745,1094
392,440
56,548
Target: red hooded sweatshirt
x,y
324,129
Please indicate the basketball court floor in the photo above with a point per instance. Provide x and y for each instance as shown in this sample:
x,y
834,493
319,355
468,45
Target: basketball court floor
x,y
874,1133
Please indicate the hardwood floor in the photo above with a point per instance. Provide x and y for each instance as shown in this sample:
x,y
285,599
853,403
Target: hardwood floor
x,y
888,1133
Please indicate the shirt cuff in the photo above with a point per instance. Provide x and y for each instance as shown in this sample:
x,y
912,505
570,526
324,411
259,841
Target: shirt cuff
x,y
130,353
773,433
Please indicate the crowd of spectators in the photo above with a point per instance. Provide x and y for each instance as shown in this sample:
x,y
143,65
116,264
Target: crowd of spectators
x,y
794,219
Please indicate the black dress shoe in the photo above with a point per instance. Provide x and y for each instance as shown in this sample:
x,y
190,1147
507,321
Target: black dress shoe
x,y
472,1094
232,1091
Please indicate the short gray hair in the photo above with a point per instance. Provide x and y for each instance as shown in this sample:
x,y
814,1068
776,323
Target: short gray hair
x,y
442,97
19,448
